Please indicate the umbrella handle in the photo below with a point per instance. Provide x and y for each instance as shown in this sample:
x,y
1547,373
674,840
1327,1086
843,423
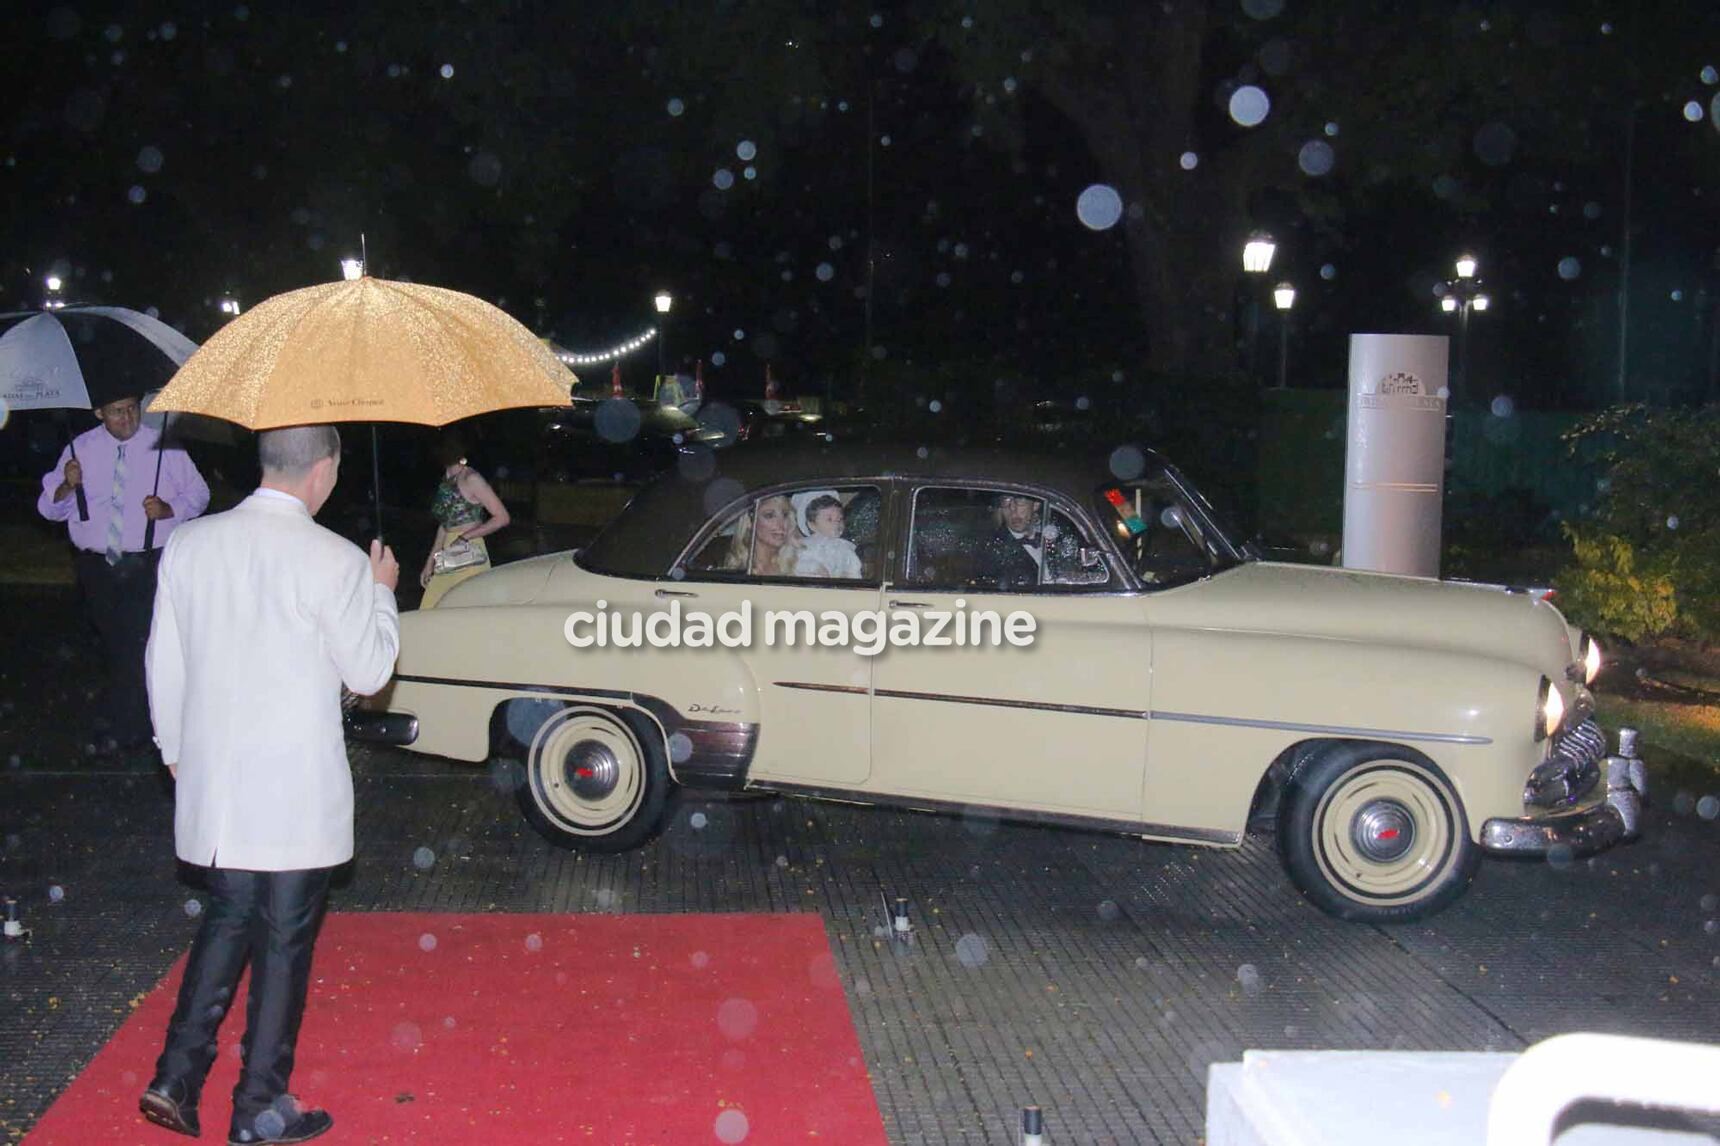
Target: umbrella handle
x,y
83,502
149,527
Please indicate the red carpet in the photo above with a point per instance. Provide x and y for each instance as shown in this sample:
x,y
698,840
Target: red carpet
x,y
536,1029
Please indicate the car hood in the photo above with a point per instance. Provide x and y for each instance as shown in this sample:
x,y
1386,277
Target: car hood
x,y
1354,605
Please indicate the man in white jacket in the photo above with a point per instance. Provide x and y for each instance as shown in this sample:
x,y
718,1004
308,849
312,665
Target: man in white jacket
x,y
260,616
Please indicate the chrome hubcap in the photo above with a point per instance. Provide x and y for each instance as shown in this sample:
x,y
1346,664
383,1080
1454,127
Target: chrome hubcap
x,y
1383,830
592,770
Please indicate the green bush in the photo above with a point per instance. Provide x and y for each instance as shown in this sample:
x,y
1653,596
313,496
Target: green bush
x,y
1647,564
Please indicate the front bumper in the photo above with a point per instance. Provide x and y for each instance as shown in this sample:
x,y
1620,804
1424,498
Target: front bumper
x,y
1595,824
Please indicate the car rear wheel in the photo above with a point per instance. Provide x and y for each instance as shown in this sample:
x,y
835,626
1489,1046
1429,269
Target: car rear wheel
x,y
593,782
1375,833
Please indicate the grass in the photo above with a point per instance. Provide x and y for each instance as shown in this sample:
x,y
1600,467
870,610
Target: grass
x,y
1681,742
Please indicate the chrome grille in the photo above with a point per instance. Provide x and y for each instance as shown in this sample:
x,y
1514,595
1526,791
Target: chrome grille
x,y
1571,769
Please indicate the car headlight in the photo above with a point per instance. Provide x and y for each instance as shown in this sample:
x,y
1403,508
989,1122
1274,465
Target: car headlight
x,y
1591,659
1549,712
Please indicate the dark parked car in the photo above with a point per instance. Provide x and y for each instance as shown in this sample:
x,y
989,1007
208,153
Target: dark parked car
x,y
633,438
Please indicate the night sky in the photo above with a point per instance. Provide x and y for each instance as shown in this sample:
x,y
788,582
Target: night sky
x,y
566,161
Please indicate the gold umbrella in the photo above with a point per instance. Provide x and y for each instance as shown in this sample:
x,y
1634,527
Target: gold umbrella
x,y
367,350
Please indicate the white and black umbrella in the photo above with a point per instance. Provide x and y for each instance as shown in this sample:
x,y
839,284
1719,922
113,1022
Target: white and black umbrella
x,y
81,357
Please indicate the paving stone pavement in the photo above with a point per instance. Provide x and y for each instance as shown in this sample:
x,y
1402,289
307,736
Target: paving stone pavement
x,y
1096,976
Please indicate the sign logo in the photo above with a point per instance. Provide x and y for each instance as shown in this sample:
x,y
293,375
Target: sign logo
x,y
1400,383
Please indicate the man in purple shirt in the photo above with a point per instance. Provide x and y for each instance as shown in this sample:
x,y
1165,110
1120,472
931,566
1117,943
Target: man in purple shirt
x,y
115,465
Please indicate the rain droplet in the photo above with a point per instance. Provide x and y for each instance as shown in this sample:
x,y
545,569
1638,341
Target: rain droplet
x,y
723,179
193,908
1328,272
698,820
737,1018
1708,807
1127,463
534,942
680,746
730,1126
1316,158
405,1037
426,942
1693,111
137,194
56,893
1570,267
1495,143
1099,207
746,150
270,1124
825,272
149,160
1672,522
1503,406
1108,910
485,169
1249,106
1249,976
699,960
1332,128
1560,857
423,859
676,107
1709,75
718,358
446,71
972,951
1188,161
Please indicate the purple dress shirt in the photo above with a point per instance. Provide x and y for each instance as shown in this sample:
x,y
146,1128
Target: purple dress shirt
x,y
182,487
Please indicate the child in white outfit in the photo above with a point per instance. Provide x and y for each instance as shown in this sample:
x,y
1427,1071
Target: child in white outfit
x,y
824,552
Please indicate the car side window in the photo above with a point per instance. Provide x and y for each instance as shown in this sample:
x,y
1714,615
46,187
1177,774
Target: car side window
x,y
825,533
977,540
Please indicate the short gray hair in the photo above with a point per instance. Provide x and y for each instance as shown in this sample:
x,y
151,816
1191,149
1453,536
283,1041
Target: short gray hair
x,y
293,450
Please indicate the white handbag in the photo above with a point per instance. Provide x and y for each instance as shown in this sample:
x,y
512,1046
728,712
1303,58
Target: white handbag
x,y
461,554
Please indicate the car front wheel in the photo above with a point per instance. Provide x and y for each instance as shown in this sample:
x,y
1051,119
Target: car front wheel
x,y
593,782
1375,833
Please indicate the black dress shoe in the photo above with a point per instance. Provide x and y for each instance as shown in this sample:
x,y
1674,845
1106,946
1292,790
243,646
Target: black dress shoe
x,y
170,1105
276,1131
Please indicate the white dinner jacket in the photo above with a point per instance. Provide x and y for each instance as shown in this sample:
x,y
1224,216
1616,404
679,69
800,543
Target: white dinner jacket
x,y
260,615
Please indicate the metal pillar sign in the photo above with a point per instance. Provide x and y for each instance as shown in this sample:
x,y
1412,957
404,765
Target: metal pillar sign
x,y
1394,459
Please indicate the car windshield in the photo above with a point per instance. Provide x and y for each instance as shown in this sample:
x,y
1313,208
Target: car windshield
x,y
1166,531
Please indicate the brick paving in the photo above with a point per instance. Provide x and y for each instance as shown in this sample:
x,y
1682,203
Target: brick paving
x,y
1096,976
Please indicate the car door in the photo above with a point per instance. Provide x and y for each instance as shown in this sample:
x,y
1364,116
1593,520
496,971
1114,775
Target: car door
x,y
813,700
1059,727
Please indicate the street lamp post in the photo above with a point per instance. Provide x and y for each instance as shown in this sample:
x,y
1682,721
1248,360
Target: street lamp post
x,y
1257,255
1459,296
1283,297
663,302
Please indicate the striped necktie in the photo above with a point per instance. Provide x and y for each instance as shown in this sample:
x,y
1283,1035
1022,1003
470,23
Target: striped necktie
x,y
116,515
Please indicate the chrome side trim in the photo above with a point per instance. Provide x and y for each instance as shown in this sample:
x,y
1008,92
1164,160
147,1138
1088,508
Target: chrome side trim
x,y
1322,729
808,686
1000,702
1208,836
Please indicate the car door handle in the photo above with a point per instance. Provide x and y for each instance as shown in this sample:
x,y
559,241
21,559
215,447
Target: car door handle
x,y
674,593
910,604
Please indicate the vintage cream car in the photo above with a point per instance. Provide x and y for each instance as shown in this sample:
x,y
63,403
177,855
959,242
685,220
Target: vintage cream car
x,y
1174,686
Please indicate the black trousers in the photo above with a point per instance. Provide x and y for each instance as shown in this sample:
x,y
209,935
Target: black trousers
x,y
271,918
119,601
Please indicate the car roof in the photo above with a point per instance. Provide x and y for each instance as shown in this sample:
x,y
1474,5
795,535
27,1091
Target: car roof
x,y
657,525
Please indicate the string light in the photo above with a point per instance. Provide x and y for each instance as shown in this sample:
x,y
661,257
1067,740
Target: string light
x,y
609,355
